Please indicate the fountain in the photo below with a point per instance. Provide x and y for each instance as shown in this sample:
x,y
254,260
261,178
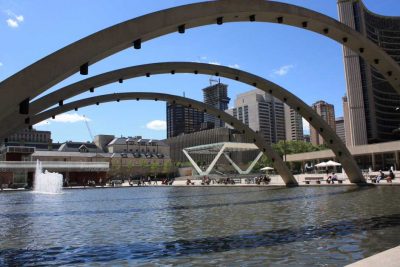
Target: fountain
x,y
47,182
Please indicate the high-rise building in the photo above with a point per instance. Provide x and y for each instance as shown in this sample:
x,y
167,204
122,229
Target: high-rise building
x,y
371,100
182,120
217,96
293,124
347,125
261,112
327,112
340,131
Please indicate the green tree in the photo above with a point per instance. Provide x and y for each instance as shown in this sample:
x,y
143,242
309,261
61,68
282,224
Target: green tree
x,y
289,147
167,167
154,168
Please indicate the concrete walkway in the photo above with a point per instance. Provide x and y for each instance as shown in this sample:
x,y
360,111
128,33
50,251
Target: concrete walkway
x,y
275,181
388,258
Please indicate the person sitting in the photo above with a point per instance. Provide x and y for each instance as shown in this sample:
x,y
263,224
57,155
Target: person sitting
x,y
329,179
390,176
334,178
380,176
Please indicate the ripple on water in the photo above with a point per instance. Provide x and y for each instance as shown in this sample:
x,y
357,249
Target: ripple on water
x,y
316,226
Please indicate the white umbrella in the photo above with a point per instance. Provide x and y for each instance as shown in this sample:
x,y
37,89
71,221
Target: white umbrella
x,y
332,163
321,165
266,169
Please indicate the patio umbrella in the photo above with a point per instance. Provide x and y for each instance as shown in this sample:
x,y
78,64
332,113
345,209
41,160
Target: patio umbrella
x,y
332,163
321,165
266,169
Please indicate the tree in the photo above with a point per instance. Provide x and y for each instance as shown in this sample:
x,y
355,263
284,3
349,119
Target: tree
x,y
154,168
167,167
289,147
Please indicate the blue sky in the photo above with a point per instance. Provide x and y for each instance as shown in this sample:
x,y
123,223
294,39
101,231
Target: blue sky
x,y
305,63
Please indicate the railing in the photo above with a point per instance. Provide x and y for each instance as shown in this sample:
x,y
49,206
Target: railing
x,y
54,166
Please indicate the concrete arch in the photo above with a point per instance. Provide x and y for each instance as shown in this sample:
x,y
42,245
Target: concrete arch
x,y
286,175
38,77
333,141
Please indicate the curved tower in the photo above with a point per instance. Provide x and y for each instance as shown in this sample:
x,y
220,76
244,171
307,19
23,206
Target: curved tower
x,y
372,116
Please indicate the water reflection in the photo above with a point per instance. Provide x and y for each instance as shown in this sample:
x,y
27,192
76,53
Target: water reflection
x,y
183,247
191,199
197,226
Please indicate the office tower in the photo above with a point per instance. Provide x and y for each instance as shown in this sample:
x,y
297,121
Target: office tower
x,y
340,131
371,100
182,120
327,112
217,96
293,124
346,117
261,112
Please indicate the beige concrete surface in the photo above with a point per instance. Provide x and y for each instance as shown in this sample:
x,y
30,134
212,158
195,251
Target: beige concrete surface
x,y
388,258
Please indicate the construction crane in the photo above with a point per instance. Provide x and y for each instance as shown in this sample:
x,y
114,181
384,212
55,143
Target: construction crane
x,y
87,126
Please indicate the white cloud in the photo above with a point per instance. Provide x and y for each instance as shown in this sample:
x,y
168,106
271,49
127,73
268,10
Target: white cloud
x,y
282,71
205,59
13,20
70,118
306,127
12,23
1,64
235,66
42,123
157,125
20,18
64,118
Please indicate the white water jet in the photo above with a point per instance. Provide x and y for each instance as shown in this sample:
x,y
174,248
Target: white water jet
x,y
47,182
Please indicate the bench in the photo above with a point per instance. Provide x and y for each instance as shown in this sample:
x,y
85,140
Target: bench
x,y
237,180
318,180
116,183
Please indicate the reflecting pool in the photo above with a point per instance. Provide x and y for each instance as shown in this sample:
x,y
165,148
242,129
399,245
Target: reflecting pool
x,y
243,226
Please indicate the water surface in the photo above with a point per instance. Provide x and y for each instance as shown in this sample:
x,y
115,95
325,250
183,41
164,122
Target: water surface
x,y
238,226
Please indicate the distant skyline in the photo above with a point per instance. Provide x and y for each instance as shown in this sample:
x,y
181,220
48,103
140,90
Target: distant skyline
x,y
307,64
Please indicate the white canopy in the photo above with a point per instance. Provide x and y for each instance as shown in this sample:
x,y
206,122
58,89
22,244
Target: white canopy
x,y
329,163
267,169
332,163
321,165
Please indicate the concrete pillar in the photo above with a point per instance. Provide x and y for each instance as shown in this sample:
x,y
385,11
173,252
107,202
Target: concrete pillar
x,y
373,161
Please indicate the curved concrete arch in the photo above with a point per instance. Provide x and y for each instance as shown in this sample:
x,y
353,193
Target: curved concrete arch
x,y
279,165
333,141
38,77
